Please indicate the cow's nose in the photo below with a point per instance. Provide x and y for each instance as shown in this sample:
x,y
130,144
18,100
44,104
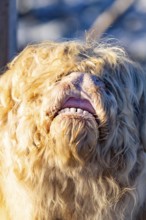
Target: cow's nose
x,y
84,80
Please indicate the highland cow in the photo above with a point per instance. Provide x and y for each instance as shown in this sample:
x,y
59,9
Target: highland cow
x,y
73,134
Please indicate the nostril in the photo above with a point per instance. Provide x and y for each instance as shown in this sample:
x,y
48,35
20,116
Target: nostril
x,y
97,81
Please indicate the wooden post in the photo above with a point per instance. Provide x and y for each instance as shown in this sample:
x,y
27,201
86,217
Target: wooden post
x,y
7,31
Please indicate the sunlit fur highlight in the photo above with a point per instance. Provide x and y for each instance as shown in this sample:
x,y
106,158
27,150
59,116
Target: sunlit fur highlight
x,y
43,175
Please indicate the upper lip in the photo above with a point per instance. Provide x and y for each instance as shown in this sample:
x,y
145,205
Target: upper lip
x,y
82,103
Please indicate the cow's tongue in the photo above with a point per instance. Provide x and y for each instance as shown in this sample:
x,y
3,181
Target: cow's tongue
x,y
79,103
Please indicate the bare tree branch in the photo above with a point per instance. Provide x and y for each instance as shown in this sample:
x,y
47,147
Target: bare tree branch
x,y
107,18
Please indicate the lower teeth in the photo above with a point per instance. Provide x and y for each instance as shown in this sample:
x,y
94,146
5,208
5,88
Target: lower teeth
x,y
74,110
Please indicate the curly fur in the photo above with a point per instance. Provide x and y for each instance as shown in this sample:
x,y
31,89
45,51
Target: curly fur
x,y
67,166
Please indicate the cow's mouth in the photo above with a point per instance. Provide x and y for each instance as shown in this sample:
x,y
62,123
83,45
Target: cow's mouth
x,y
78,107
74,131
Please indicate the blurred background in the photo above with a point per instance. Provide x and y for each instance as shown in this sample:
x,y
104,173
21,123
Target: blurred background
x,y
40,20
123,20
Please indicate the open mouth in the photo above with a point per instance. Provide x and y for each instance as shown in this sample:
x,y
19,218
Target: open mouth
x,y
77,106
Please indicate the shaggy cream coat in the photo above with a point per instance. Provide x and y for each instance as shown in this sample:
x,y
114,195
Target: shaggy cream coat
x,y
72,134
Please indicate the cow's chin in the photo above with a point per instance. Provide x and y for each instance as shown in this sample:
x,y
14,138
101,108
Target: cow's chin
x,y
74,138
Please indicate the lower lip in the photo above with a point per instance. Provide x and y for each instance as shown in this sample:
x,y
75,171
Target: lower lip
x,y
79,103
